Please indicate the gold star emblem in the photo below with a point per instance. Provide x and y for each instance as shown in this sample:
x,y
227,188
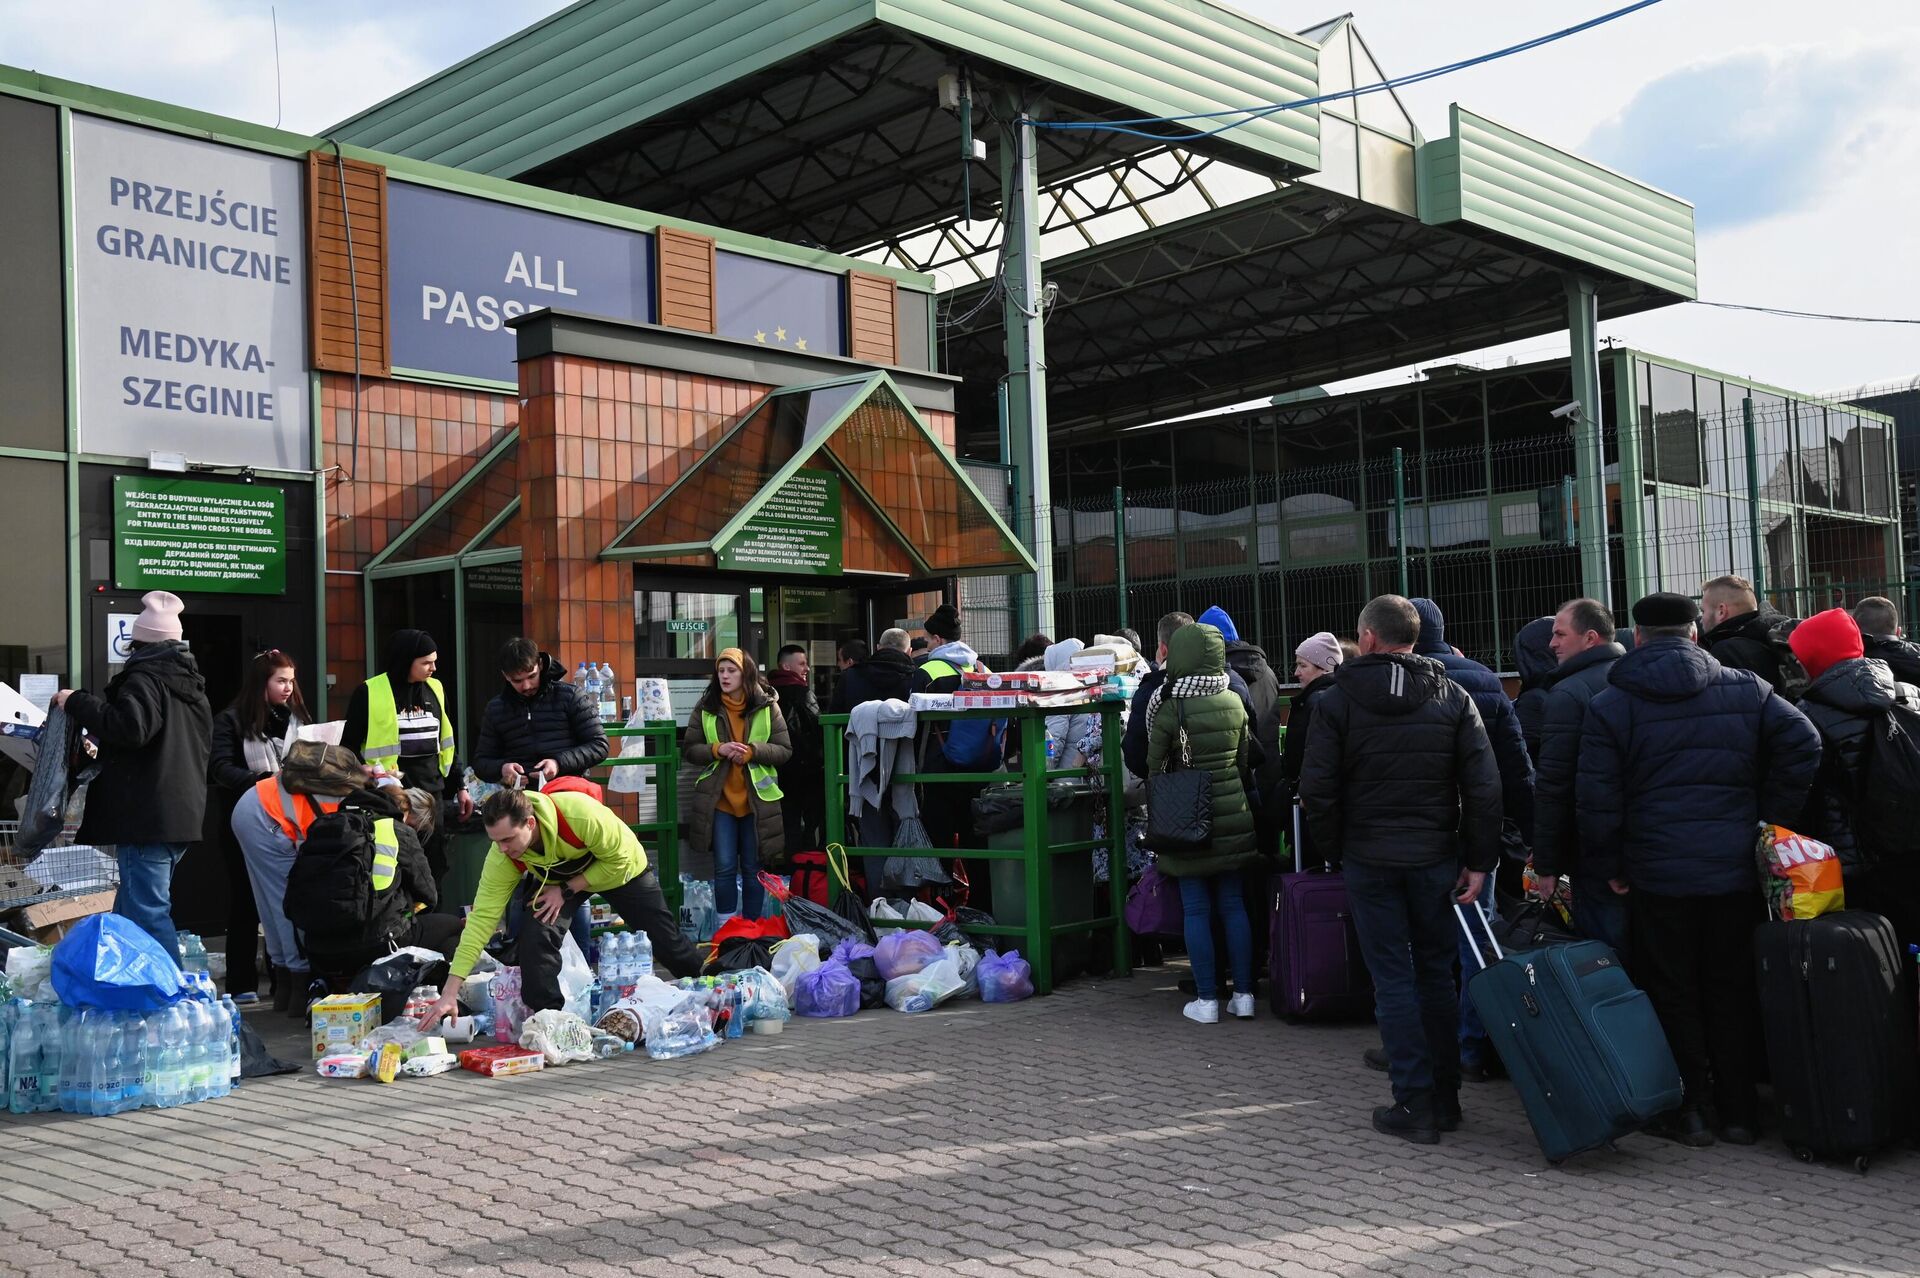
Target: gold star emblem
x,y
780,333
800,344
761,337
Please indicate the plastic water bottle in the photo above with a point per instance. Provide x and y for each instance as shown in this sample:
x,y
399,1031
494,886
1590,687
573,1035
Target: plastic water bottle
x,y
53,1019
609,692
23,1060
152,1055
582,677
73,1082
642,954
232,1020
133,1079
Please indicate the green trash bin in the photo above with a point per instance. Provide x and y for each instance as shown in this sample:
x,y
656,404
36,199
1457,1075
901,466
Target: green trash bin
x,y
1071,811
466,856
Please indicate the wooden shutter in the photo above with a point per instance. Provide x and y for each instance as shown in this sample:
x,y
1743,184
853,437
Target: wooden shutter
x,y
872,335
685,279
331,304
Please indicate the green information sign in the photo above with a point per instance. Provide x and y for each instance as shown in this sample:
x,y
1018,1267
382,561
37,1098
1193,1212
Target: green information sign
x,y
797,530
688,625
191,535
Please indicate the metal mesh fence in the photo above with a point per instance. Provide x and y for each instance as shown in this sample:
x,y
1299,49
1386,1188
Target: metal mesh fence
x,y
1801,498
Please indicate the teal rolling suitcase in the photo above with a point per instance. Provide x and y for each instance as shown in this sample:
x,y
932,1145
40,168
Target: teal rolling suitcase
x,y
1583,1045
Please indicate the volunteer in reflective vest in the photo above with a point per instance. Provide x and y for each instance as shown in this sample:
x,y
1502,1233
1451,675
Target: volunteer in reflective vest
x,y
553,850
404,891
398,723
738,737
270,822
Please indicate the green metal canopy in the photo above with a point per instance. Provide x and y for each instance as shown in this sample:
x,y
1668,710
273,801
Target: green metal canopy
x,y
859,429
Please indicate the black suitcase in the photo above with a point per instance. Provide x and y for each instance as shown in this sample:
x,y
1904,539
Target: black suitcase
x,y
1838,1038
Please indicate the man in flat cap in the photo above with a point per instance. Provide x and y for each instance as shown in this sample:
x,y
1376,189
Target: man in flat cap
x,y
1680,758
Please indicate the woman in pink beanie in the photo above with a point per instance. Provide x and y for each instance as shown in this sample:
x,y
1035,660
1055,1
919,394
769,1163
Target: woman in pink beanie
x,y
154,729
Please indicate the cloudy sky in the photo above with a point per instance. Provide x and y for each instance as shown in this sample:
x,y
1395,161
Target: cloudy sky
x,y
1792,128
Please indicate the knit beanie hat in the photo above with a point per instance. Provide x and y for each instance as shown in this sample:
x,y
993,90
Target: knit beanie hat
x,y
944,623
1321,651
159,618
1825,639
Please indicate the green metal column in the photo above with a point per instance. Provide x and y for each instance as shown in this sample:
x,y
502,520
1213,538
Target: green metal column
x,y
1120,549
1023,310
1583,322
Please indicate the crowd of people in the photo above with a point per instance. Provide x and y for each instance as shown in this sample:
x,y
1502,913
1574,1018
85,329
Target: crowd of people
x,y
1634,767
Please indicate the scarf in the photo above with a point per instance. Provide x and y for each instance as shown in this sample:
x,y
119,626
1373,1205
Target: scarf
x,y
735,798
1185,686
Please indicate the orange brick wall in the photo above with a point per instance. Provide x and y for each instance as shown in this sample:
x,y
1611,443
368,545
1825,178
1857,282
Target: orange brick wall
x,y
415,441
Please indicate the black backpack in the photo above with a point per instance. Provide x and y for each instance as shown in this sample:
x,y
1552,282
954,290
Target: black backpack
x,y
1793,675
1886,790
330,897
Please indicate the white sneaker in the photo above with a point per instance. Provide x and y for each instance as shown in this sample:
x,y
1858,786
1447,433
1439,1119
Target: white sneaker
x,y
1205,1011
1241,1005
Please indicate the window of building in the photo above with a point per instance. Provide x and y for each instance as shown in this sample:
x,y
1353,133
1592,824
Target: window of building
x,y
1669,426
1773,447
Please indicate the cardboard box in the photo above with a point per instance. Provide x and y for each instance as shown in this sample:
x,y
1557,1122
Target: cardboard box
x,y
991,700
340,1021
1009,680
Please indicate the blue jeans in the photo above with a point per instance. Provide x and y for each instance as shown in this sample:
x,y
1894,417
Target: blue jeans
x,y
1404,917
736,866
1473,1035
146,889
1600,914
1201,899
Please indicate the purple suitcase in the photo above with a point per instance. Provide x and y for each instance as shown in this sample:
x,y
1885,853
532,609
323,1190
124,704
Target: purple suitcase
x,y
1316,968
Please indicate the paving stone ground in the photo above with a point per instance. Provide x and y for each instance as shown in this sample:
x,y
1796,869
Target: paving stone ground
x,y
1091,1132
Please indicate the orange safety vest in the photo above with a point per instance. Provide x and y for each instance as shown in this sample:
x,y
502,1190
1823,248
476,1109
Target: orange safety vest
x,y
294,813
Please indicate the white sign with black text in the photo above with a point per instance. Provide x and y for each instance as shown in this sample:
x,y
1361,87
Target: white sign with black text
x,y
191,298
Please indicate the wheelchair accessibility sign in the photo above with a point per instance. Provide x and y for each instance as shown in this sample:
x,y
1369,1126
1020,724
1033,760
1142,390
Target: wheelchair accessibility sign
x,y
120,637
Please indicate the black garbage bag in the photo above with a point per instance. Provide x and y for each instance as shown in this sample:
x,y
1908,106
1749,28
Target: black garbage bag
x,y
1529,924
395,977
1001,808
255,1060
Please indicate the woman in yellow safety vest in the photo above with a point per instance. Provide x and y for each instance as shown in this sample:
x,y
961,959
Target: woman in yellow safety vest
x,y
738,737
397,722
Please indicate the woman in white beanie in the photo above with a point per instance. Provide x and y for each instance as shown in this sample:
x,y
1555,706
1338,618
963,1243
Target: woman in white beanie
x,y
1314,662
154,729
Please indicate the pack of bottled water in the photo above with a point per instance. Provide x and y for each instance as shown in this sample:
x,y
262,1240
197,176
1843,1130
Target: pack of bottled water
x,y
96,1062
625,957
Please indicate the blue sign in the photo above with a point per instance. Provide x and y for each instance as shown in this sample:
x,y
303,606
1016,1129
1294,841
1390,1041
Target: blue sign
x,y
460,267
776,304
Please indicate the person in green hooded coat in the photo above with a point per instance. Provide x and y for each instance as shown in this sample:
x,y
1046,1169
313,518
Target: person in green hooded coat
x,y
1194,721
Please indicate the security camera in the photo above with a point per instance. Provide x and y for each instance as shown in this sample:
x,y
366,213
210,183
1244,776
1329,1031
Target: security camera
x,y
1568,410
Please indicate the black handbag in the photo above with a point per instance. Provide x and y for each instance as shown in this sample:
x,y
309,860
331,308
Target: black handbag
x,y
1180,801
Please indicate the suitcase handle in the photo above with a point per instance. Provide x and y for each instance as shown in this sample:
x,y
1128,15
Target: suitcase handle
x,y
1298,810
1461,914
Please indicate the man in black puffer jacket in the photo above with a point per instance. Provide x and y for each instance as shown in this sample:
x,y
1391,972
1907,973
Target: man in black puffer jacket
x,y
539,723
887,675
1741,631
1852,695
1582,639
1879,623
1400,787
1680,759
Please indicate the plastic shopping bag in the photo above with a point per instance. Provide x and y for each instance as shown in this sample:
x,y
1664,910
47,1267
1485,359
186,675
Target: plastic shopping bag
x,y
397,975
903,953
762,998
927,988
562,1036
684,1029
858,957
631,778
828,990
1802,875
1003,978
793,957
109,962
882,910
576,980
